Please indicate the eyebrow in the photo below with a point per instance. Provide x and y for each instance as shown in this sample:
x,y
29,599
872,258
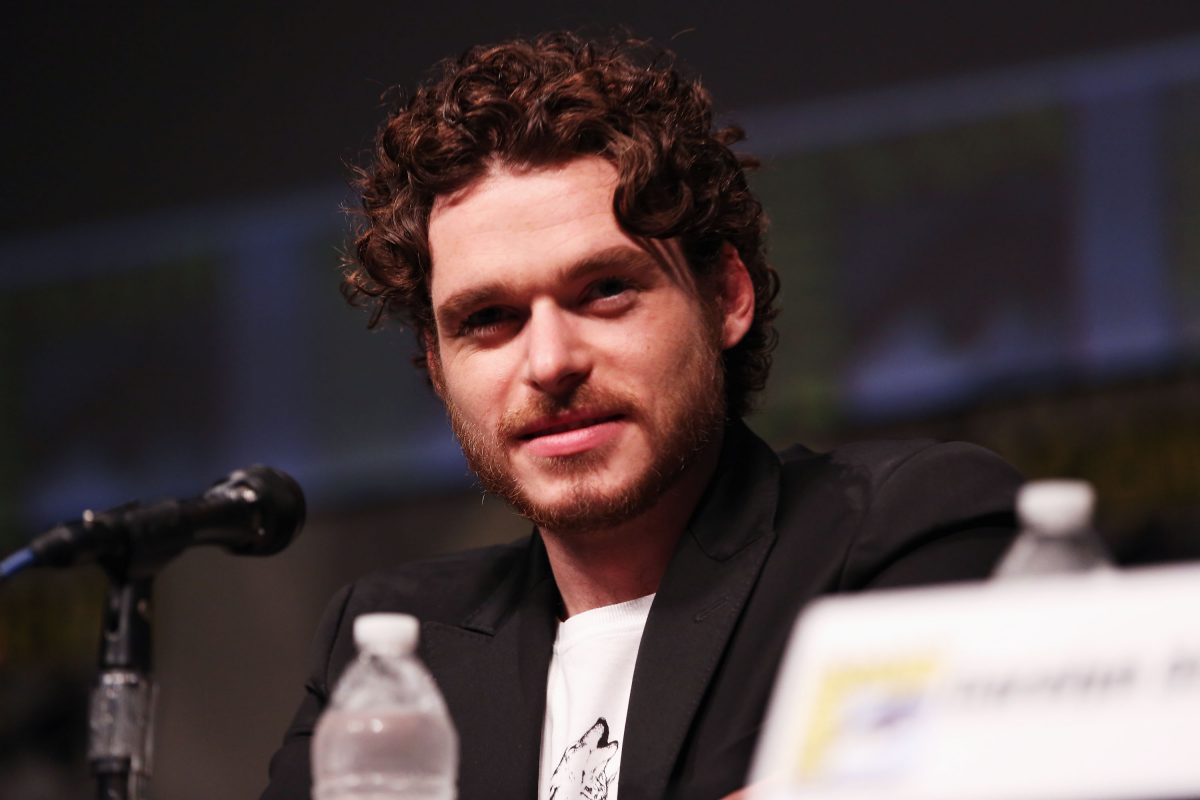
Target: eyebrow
x,y
620,256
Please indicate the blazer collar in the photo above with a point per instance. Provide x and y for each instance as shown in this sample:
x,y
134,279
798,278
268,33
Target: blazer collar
x,y
739,505
492,670
698,603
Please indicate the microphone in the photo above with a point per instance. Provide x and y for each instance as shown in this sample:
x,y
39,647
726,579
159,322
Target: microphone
x,y
254,511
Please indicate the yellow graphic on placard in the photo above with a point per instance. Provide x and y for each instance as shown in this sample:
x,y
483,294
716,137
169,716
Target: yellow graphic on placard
x,y
861,716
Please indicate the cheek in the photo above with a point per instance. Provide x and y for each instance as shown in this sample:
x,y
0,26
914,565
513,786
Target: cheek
x,y
478,384
683,339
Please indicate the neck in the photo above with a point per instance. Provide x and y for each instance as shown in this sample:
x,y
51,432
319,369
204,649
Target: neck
x,y
628,560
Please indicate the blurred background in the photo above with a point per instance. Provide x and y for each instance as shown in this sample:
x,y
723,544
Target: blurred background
x,y
985,214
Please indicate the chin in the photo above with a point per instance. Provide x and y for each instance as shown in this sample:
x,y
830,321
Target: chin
x,y
587,502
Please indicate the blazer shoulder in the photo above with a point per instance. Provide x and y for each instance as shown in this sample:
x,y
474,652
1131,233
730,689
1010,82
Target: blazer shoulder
x,y
876,463
878,507
441,589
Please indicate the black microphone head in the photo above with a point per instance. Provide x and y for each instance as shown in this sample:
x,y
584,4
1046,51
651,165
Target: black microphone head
x,y
279,506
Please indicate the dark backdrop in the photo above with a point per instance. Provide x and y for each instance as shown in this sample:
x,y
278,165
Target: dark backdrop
x,y
984,214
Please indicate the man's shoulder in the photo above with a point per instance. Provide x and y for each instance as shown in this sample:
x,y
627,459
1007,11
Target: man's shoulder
x,y
440,588
896,512
877,463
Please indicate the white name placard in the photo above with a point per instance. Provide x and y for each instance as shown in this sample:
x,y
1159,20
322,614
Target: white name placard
x,y
1072,688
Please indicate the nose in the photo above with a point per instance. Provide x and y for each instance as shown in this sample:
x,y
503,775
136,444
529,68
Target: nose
x,y
557,358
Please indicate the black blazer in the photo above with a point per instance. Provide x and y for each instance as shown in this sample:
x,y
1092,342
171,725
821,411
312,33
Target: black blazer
x,y
772,533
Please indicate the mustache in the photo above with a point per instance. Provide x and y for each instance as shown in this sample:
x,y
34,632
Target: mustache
x,y
584,399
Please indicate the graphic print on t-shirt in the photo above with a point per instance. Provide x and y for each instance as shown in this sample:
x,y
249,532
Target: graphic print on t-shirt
x,y
582,772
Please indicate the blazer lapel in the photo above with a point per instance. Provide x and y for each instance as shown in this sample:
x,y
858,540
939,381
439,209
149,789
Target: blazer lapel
x,y
695,610
492,670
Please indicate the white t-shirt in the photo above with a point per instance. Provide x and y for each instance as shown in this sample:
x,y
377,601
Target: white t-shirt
x,y
587,696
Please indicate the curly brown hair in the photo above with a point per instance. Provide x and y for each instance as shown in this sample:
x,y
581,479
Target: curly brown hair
x,y
545,101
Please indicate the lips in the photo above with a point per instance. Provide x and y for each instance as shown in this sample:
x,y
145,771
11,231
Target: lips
x,y
563,425
569,435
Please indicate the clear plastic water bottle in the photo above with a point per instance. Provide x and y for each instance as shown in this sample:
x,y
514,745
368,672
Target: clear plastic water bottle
x,y
386,734
1056,531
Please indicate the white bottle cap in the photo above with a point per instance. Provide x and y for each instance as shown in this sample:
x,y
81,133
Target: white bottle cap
x,y
1056,507
387,634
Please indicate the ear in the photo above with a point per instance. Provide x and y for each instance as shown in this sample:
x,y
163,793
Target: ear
x,y
735,295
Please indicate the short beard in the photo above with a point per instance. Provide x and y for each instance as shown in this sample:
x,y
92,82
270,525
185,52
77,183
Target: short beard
x,y
698,415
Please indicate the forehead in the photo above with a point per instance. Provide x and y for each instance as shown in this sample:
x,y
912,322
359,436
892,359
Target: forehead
x,y
512,221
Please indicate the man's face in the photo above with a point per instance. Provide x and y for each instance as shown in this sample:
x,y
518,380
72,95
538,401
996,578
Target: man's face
x,y
580,367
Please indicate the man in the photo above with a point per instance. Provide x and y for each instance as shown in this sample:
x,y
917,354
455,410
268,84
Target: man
x,y
581,259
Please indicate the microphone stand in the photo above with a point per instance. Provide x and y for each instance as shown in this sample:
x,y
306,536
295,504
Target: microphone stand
x,y
121,715
254,511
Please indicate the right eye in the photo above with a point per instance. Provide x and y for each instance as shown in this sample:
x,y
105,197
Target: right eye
x,y
485,322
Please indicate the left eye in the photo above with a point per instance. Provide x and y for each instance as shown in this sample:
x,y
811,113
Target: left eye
x,y
609,287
